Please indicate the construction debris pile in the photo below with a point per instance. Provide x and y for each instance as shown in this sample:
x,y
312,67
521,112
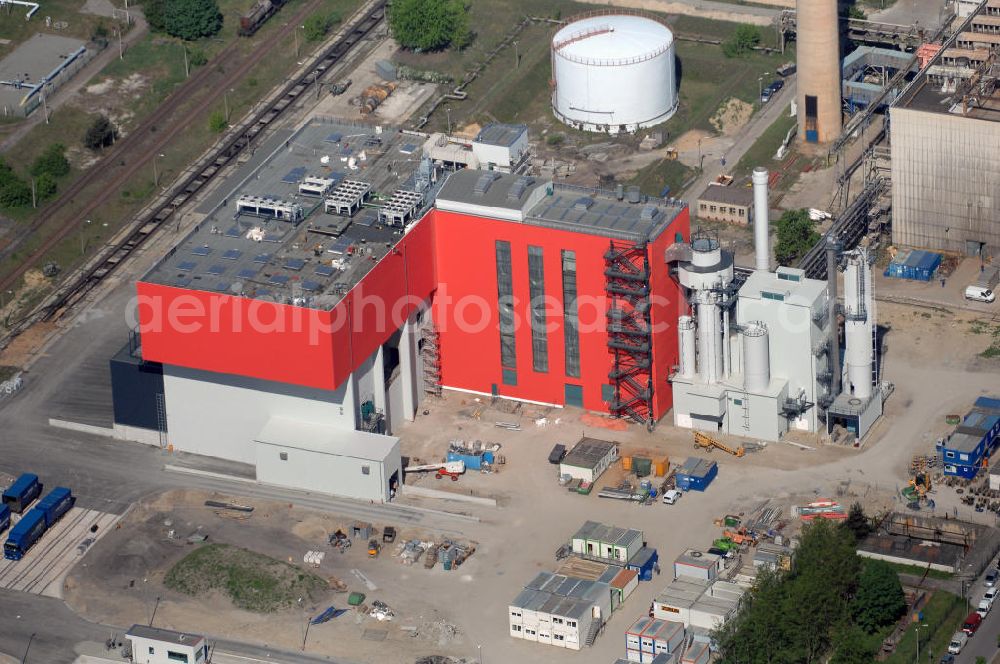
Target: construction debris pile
x,y
449,553
824,508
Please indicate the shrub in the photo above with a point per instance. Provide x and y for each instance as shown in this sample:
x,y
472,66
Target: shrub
x,y
430,25
51,162
217,122
101,134
185,19
742,41
317,25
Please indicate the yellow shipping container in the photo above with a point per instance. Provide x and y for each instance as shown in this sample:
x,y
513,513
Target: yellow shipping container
x,y
627,463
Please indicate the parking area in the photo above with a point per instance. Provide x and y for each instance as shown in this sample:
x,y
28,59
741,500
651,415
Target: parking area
x,y
46,564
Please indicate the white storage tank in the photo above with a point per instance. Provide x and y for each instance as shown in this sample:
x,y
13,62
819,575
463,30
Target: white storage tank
x,y
613,72
756,358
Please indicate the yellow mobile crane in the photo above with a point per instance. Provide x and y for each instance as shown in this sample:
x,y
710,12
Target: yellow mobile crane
x,y
702,441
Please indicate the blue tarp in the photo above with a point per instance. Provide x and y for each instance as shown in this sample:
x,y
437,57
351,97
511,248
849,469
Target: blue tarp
x,y
916,264
472,461
328,615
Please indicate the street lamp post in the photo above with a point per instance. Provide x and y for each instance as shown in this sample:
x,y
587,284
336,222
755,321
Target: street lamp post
x,y
448,111
918,641
479,649
24,658
156,175
517,58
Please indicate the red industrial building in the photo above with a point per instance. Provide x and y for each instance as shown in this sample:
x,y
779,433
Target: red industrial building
x,y
497,285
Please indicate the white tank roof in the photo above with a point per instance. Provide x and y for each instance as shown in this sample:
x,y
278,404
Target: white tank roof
x,y
612,39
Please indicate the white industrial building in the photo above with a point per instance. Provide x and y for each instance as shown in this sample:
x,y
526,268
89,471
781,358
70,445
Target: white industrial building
x,y
698,604
497,147
699,565
758,355
152,645
614,72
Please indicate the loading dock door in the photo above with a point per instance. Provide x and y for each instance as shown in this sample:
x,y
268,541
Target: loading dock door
x,y
574,395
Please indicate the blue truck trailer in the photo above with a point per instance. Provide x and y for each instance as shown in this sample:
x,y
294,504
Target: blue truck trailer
x,y
56,503
23,536
4,518
19,495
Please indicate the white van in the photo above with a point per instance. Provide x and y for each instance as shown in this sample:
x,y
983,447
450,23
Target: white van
x,y
958,642
670,496
979,294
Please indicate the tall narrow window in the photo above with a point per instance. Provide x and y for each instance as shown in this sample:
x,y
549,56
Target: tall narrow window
x,y
571,324
536,291
505,305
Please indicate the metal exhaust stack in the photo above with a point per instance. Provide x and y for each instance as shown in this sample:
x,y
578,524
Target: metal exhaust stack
x,y
832,250
761,222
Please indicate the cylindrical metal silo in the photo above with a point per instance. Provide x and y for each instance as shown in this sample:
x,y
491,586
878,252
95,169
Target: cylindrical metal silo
x,y
686,343
613,73
709,337
858,331
761,220
818,74
756,358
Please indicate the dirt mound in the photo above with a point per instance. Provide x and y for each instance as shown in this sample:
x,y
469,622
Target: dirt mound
x,y
731,116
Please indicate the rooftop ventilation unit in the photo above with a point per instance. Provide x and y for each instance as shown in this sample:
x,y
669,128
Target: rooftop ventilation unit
x,y
519,187
484,183
583,203
649,212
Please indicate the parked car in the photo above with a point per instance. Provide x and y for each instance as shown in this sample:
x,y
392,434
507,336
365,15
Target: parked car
x,y
786,69
984,607
765,95
557,453
991,578
776,85
979,294
947,658
972,623
991,594
958,642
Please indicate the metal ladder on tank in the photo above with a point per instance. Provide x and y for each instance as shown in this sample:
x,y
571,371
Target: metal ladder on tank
x,y
874,324
161,420
745,402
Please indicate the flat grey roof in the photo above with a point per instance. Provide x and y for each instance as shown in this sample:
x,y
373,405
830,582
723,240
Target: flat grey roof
x,y
805,292
683,592
599,532
731,195
31,62
696,467
588,452
554,205
299,434
311,263
702,559
503,135
165,635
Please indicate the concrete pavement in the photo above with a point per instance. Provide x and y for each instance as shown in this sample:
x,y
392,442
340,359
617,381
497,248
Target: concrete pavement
x,y
707,9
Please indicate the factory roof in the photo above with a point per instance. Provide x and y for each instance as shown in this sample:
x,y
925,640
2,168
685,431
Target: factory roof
x,y
502,135
164,635
786,284
588,453
928,95
963,441
311,437
564,207
598,532
730,195
312,261
612,39
32,63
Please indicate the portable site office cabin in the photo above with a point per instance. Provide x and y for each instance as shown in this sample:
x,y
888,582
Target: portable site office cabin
x,y
696,474
699,565
152,645
648,638
596,540
588,459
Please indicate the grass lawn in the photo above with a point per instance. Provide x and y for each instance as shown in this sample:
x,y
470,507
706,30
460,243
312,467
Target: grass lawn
x,y
253,581
664,173
943,615
762,152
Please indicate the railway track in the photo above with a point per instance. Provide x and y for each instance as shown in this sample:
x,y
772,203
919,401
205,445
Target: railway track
x,y
154,217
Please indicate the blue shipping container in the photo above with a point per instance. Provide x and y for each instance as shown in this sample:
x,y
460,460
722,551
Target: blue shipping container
x,y
55,504
472,461
20,494
4,518
24,535
916,264
696,474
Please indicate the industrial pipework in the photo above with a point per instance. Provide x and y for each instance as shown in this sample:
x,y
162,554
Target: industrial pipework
x,y
761,221
832,252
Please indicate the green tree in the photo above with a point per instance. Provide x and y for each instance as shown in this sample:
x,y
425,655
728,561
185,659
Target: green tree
x,y
430,25
52,162
742,42
15,192
217,122
852,646
197,57
317,25
100,134
857,522
879,601
796,236
185,19
856,12
45,186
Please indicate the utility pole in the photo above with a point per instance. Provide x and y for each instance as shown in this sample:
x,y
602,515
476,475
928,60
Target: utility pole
x,y
34,200
45,105
517,57
121,47
24,658
187,68
295,33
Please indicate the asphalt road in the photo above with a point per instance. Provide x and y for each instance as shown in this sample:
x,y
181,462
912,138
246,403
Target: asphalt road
x,y
984,643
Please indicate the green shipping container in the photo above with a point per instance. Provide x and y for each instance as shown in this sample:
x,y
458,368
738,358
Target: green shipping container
x,y
732,520
642,466
355,599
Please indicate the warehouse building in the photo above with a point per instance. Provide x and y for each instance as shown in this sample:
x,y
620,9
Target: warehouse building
x,y
343,313
944,134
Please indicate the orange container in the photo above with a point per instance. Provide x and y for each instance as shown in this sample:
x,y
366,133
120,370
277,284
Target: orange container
x,y
661,466
626,463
